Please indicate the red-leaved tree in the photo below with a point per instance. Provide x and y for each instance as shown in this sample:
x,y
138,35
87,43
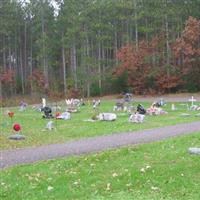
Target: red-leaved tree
x,y
7,81
187,52
38,81
134,63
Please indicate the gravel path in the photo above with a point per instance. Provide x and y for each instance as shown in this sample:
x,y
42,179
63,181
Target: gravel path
x,y
93,144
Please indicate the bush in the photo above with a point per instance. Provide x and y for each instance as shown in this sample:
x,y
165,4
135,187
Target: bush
x,y
95,90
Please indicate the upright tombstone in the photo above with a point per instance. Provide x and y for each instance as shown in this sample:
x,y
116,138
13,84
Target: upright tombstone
x,y
128,97
22,106
96,103
43,102
173,108
159,103
50,125
136,118
119,106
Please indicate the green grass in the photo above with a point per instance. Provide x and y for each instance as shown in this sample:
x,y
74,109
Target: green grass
x,y
160,170
33,125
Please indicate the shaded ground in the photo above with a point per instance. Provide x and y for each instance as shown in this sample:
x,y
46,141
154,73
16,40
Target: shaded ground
x,y
181,97
94,144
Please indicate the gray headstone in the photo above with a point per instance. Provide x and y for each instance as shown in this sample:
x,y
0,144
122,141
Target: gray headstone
x,y
194,150
17,137
185,115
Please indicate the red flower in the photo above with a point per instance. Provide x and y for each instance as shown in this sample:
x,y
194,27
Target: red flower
x,y
17,127
11,114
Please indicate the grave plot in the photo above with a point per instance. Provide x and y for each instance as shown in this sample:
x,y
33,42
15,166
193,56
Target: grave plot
x,y
81,124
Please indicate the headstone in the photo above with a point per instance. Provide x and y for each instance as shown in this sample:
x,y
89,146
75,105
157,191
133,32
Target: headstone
x,y
43,102
65,116
173,108
193,107
197,115
22,106
119,106
159,103
136,118
128,97
96,103
17,137
194,150
50,125
107,117
185,115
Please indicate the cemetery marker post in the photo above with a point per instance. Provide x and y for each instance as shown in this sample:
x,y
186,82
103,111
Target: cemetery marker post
x,y
192,100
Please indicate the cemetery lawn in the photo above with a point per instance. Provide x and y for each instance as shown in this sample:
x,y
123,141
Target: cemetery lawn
x,y
33,125
160,170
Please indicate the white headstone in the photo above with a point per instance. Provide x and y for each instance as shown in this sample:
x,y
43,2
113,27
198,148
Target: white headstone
x,y
173,107
136,118
107,116
194,150
49,125
65,116
43,102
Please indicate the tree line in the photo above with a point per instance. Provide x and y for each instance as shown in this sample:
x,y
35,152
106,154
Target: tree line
x,y
95,47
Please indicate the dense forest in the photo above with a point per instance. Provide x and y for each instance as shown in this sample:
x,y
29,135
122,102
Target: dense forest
x,y
96,47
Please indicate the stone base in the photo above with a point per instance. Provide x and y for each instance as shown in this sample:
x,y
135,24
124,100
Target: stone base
x,y
194,150
185,115
17,137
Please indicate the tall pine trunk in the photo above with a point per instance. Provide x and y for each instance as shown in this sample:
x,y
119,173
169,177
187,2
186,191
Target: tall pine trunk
x,y
64,68
74,65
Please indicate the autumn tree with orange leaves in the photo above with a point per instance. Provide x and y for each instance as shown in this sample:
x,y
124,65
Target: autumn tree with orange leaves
x,y
187,53
146,65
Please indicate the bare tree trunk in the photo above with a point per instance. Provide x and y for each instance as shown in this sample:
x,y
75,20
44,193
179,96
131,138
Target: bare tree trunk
x,y
167,40
136,24
74,65
25,56
1,96
4,54
45,67
99,65
64,67
31,63
21,71
115,42
9,54
88,68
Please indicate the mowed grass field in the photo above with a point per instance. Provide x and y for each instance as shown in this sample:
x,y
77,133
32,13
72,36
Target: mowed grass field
x,y
155,171
33,126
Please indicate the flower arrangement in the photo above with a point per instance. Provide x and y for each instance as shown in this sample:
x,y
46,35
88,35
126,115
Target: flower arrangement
x,y
16,127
